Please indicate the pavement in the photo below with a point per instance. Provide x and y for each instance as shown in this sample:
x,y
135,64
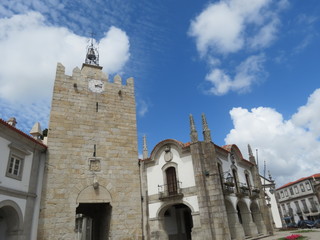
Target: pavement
x,y
314,235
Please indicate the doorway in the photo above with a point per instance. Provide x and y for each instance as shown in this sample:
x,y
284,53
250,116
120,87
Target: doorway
x,y
178,222
93,221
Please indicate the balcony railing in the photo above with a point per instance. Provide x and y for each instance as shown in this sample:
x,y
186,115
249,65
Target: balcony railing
x,y
314,209
228,188
306,210
298,211
243,190
255,193
169,191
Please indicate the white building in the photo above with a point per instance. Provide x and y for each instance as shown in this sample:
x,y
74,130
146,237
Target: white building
x,y
199,190
298,200
269,188
22,160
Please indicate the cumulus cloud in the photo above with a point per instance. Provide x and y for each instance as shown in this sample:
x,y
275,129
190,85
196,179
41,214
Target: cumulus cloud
x,y
289,147
142,107
114,50
229,26
31,48
247,73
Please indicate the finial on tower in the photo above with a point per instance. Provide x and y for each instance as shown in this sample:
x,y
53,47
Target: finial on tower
x,y
145,149
251,157
92,57
193,131
250,151
205,129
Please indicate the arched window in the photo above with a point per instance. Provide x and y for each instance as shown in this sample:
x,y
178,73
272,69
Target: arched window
x,y
171,181
248,182
235,177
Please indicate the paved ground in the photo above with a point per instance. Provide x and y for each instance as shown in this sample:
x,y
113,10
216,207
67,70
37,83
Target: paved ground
x,y
311,235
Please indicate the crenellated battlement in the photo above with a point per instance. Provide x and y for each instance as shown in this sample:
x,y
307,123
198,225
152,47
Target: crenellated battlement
x,y
92,72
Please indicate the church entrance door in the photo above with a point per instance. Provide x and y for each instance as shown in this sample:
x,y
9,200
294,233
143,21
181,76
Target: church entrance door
x,y
93,221
178,222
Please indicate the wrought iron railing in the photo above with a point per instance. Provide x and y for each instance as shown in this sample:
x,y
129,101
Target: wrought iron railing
x,y
306,210
170,190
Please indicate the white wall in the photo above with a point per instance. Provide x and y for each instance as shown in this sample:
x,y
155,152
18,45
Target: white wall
x,y
184,172
185,176
11,183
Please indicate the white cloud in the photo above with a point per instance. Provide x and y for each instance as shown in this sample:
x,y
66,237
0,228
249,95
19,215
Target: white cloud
x,y
30,51
229,26
291,148
142,107
114,50
248,72
308,115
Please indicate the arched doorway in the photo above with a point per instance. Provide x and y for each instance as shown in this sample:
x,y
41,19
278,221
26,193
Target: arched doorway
x,y
93,221
236,230
257,218
245,219
178,222
10,220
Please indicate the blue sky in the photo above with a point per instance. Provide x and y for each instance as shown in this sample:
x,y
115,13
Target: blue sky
x,y
252,66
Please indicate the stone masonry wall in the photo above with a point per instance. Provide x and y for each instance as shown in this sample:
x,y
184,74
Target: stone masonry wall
x,y
75,127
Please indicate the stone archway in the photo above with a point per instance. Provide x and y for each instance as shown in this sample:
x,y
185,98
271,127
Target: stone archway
x,y
236,230
257,218
245,218
93,213
178,222
11,220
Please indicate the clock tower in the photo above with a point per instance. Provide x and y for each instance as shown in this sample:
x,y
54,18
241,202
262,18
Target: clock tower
x,y
91,183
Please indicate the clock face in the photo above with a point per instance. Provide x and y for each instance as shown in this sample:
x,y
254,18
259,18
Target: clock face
x,y
96,86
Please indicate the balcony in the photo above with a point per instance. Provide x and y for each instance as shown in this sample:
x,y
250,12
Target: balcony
x,y
255,193
306,210
170,191
298,211
243,191
314,209
228,188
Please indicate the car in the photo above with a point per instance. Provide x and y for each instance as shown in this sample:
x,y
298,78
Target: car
x,y
305,224
292,225
316,223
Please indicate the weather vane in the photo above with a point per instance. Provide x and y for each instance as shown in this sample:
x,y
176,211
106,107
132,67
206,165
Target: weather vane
x,y
92,56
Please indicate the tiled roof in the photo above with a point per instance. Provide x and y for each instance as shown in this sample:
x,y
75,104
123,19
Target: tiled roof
x,y
317,175
185,145
21,133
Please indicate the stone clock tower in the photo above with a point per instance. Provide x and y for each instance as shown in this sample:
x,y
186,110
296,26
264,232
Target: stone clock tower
x,y
91,189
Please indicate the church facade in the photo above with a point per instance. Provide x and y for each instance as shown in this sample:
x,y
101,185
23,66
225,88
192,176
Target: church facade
x,y
199,191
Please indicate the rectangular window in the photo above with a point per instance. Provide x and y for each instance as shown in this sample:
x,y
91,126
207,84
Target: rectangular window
x,y
313,205
302,187
308,186
282,194
14,169
16,161
286,192
291,191
297,207
296,189
304,204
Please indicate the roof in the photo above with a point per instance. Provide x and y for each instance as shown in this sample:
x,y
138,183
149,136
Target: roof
x,y
226,148
316,175
21,133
